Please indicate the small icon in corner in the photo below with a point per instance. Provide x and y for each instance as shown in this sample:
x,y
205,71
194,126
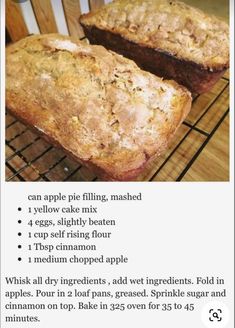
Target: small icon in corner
x,y
215,315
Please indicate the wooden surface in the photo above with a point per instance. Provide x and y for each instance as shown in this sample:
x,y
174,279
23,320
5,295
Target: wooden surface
x,y
215,154
44,15
95,4
72,13
199,151
15,24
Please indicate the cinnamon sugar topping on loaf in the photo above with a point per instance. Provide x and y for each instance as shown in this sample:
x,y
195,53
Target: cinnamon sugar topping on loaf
x,y
96,104
167,25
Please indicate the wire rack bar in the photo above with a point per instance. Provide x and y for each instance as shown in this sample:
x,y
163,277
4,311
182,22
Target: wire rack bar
x,y
19,143
28,164
190,130
185,170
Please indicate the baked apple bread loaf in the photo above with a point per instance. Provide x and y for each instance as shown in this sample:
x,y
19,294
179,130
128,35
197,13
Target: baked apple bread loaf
x,y
166,37
96,105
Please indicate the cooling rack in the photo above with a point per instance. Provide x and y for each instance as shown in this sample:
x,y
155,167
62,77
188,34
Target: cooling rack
x,y
199,151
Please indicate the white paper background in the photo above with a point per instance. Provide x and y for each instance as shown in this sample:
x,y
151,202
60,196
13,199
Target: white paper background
x,y
167,234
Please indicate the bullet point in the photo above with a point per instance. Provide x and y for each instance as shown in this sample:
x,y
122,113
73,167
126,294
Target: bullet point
x,y
19,221
19,233
19,246
19,208
19,258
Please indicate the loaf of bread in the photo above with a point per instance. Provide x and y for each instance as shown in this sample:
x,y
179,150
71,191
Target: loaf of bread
x,y
99,107
166,37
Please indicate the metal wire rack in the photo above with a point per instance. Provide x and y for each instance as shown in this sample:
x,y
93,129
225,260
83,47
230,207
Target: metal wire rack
x,y
30,158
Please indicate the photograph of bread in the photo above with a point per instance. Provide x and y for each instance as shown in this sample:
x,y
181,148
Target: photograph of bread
x,y
168,38
136,91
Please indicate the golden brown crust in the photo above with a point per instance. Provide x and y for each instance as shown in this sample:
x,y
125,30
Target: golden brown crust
x,y
96,105
167,25
193,76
